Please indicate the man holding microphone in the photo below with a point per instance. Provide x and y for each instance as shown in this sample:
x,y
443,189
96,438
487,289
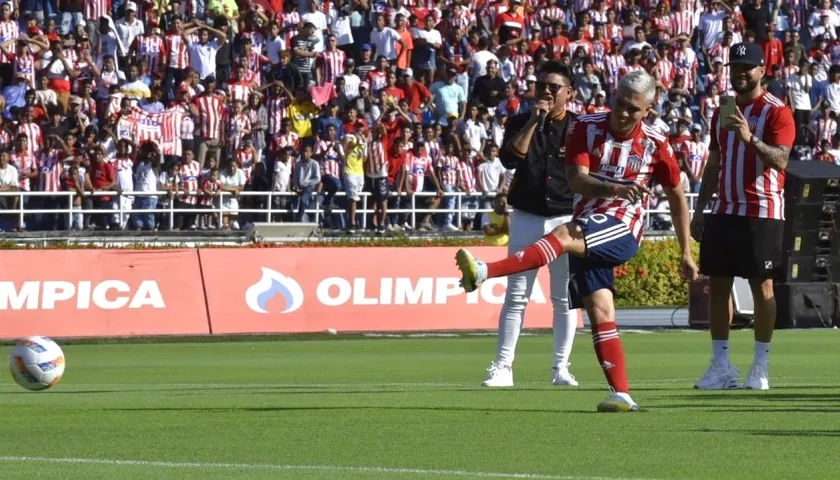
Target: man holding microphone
x,y
534,145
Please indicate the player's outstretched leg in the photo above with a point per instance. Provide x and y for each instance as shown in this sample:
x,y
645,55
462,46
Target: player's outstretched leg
x,y
563,239
608,349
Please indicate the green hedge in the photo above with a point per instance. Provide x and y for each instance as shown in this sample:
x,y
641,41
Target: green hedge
x,y
651,279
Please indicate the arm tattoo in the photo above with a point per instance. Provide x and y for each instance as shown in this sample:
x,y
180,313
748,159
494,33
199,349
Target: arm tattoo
x,y
583,184
772,156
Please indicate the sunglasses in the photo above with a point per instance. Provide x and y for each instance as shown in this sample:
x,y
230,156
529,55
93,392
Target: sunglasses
x,y
552,87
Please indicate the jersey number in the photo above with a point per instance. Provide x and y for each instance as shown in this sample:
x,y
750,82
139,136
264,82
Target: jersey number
x,y
598,218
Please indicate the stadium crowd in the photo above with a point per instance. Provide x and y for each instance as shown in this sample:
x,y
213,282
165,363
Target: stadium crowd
x,y
311,98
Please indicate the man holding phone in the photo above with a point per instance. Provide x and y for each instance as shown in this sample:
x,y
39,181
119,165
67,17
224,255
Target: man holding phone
x,y
751,139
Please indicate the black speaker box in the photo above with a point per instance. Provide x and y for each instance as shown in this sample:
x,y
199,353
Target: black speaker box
x,y
806,305
811,182
811,240
811,269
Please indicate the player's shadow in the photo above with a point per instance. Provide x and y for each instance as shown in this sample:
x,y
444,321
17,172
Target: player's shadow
x,y
340,408
776,433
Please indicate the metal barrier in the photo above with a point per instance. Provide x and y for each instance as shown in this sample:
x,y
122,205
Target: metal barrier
x,y
268,213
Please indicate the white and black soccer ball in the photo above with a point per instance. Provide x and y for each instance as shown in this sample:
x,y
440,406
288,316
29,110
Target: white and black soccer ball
x,y
37,363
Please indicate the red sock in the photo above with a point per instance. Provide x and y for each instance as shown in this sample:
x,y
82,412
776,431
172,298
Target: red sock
x,y
542,252
610,355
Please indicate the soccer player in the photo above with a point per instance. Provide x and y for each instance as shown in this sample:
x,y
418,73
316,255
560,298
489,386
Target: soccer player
x,y
742,237
611,159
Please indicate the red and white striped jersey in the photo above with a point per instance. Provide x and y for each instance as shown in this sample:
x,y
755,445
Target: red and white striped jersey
x,y
50,168
613,30
26,67
277,109
377,164
433,150
330,164
663,23
416,169
239,90
686,62
665,70
239,127
746,186
9,30
187,126
214,187
637,158
331,64
585,44
246,159
25,163
190,174
174,50
519,61
5,139
466,176
33,135
211,115
377,80
711,104
150,48
448,165
282,141
613,64
824,129
683,22
696,154
576,107
290,22
624,70
551,13
96,8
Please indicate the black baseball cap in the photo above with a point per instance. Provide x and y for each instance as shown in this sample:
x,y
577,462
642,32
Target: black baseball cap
x,y
746,54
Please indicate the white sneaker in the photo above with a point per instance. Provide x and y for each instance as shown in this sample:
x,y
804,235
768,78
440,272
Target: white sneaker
x,y
498,376
473,271
561,377
719,377
758,379
617,403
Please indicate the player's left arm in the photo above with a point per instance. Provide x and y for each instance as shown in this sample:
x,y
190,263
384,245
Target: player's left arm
x,y
667,173
779,136
780,131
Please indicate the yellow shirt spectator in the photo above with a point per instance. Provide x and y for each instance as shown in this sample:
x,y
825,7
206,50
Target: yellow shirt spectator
x,y
301,115
355,154
496,224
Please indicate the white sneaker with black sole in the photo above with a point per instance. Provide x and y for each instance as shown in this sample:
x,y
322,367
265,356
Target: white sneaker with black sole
x,y
498,376
719,377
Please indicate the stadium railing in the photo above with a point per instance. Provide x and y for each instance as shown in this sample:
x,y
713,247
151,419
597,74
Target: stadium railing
x,y
415,208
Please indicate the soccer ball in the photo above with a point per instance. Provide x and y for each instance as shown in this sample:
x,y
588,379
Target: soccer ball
x,y
37,363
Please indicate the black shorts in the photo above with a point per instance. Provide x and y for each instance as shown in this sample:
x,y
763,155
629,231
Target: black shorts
x,y
379,189
746,247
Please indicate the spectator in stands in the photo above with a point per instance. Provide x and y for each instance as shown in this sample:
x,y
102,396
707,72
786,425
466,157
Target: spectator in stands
x,y
433,64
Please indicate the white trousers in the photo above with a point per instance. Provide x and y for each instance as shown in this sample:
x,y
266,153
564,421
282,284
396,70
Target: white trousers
x,y
525,229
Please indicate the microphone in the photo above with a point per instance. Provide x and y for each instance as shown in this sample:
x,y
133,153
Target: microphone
x,y
541,121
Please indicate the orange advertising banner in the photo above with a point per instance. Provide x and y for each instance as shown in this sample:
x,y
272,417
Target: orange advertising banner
x,y
101,293
354,289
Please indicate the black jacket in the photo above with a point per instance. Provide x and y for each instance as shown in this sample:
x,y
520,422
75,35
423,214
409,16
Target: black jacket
x,y
540,185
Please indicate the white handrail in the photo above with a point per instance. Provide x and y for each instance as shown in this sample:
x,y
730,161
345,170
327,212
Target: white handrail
x,y
217,210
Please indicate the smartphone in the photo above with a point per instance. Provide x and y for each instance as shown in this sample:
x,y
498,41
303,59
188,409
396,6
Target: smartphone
x,y
727,108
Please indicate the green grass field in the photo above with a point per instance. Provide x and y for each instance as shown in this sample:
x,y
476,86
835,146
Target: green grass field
x,y
412,409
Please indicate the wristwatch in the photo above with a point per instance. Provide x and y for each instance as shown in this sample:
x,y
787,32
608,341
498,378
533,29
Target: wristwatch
x,y
754,140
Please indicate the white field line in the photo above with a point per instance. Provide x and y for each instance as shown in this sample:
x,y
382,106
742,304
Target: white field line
x,y
363,385
300,468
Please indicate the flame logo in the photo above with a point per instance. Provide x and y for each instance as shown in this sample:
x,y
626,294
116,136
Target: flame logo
x,y
270,285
